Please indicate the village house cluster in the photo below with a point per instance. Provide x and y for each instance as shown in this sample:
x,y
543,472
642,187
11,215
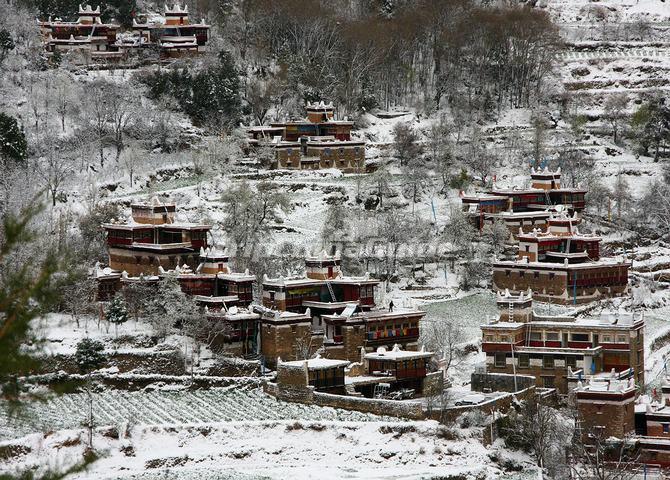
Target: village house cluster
x,y
555,260
560,351
613,411
322,311
89,39
331,343
319,141
525,209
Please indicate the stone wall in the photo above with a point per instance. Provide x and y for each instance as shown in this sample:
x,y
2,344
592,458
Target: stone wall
x,y
293,384
353,338
500,382
134,382
615,414
498,404
411,410
161,362
283,341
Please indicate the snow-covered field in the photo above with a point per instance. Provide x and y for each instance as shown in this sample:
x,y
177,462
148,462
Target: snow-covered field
x,y
236,403
278,450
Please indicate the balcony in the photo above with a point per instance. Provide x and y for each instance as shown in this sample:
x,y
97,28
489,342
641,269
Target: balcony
x,y
396,333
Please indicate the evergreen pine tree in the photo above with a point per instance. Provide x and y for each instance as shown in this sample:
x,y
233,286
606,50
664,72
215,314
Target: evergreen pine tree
x,y
13,145
117,313
6,44
89,355
25,292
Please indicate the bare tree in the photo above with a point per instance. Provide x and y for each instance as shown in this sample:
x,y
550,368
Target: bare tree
x,y
654,206
481,164
260,98
540,125
576,167
207,330
446,339
598,195
621,196
615,113
303,346
130,160
122,105
79,296
497,235
66,99
595,457
406,142
416,178
97,114
537,428
202,167
53,168
251,212
380,180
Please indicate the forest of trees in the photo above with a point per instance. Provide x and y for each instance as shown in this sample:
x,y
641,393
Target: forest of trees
x,y
454,54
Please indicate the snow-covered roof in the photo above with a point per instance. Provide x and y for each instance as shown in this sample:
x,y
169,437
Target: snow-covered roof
x,y
88,10
319,105
396,354
213,252
605,321
237,276
375,315
609,385
316,363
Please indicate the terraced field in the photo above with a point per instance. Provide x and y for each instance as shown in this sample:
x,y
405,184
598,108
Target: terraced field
x,y
166,408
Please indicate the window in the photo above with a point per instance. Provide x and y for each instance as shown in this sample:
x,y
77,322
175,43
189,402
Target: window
x,y
527,247
524,360
551,336
548,382
552,275
579,337
666,428
504,338
547,361
606,338
507,273
536,336
500,360
571,362
488,338
536,274
622,339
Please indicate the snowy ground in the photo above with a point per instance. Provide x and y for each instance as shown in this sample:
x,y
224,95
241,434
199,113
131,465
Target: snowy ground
x,y
277,450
